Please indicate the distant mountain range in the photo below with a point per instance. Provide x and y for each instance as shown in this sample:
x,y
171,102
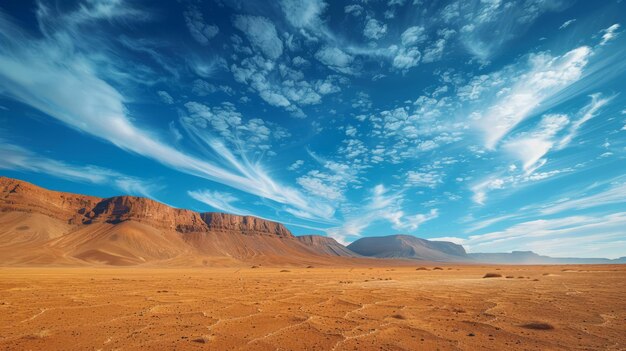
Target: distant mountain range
x,y
410,247
44,227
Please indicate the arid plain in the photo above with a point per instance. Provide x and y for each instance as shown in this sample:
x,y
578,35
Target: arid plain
x,y
316,308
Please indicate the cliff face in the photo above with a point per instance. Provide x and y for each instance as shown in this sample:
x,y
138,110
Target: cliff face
x,y
16,195
129,208
244,224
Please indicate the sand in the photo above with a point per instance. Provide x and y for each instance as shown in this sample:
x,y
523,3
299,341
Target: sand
x,y
528,308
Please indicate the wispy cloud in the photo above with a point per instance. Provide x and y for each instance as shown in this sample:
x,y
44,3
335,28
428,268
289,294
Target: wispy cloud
x,y
545,77
221,201
572,236
56,76
609,33
614,194
587,113
567,23
21,159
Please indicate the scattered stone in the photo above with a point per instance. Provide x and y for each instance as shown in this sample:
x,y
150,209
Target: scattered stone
x,y
538,326
492,275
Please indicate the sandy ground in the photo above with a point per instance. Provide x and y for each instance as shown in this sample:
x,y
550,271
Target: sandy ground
x,y
453,308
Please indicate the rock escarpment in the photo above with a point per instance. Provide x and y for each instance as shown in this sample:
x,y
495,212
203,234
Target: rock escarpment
x,y
16,195
243,224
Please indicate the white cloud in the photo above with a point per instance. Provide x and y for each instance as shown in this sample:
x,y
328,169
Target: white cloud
x,y
199,30
413,35
407,54
609,34
331,182
261,33
567,23
428,179
374,29
530,147
315,184
413,222
165,97
587,113
480,190
406,58
296,165
354,9
252,136
335,59
203,88
546,77
303,14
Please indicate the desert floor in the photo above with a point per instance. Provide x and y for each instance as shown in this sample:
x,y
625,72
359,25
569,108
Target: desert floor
x,y
453,308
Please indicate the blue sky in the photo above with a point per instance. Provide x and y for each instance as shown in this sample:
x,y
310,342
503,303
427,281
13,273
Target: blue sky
x,y
497,124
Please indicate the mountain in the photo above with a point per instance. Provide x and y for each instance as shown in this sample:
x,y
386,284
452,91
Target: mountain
x,y
40,226
529,257
326,245
407,246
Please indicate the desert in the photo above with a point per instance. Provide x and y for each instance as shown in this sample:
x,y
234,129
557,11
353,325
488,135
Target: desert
x,y
319,308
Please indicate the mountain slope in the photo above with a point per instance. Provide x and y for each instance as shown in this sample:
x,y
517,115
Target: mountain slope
x,y
407,246
326,245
